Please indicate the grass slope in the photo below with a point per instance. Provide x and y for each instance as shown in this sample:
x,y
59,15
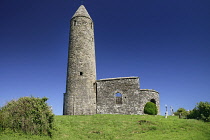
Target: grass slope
x,y
121,127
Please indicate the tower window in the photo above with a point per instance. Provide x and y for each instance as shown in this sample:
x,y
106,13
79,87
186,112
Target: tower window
x,y
81,73
91,25
118,98
75,22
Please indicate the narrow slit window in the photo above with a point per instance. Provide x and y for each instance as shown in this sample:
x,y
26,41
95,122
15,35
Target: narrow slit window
x,y
81,73
75,22
91,25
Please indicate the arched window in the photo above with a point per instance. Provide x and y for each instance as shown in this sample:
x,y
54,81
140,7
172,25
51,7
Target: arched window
x,y
118,97
153,101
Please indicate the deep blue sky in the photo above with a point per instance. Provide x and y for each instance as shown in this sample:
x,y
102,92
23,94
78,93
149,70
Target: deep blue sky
x,y
166,43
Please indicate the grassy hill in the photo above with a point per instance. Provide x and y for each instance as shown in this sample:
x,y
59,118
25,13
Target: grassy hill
x,y
121,127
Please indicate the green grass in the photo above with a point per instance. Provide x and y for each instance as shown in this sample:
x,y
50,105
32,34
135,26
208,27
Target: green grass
x,y
121,127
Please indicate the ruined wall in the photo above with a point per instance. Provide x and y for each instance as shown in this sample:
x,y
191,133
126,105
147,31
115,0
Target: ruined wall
x,y
133,99
148,95
106,99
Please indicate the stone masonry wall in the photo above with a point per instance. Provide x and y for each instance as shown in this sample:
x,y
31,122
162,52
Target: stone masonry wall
x,y
133,99
80,96
106,99
148,95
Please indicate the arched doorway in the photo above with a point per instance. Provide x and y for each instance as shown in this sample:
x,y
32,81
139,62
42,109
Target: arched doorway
x,y
153,101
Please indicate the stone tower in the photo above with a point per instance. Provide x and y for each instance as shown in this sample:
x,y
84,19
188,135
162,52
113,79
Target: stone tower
x,y
80,96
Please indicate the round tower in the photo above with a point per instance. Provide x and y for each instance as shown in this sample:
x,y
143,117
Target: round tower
x,y
80,96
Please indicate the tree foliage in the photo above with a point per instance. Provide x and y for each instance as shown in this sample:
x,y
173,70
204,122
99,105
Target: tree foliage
x,y
150,108
27,114
201,112
182,112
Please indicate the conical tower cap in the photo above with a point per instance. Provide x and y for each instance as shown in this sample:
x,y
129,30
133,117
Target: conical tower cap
x,y
81,12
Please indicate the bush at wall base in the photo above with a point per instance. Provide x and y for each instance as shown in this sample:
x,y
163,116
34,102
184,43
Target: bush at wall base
x,y
150,108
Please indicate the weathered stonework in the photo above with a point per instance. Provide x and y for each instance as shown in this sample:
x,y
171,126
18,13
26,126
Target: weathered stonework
x,y
86,96
133,99
80,96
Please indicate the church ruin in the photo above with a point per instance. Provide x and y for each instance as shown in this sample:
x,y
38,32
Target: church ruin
x,y
87,96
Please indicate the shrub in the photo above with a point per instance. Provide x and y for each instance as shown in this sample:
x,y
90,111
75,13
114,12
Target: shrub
x,y
201,112
27,114
150,108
